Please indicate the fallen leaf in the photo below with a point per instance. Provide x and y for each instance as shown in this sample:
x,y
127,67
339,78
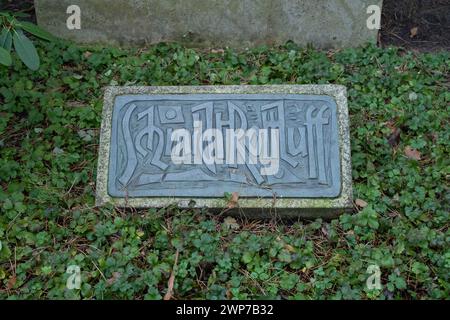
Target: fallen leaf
x,y
412,153
217,51
171,282
361,203
413,32
330,53
115,276
289,248
230,223
11,283
286,246
87,54
233,201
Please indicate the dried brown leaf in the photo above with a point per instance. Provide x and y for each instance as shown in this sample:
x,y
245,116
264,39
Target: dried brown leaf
x,y
115,276
361,203
217,51
230,223
171,282
412,153
11,283
87,54
289,248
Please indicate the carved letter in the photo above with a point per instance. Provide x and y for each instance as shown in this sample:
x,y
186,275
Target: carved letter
x,y
132,159
149,131
315,130
294,149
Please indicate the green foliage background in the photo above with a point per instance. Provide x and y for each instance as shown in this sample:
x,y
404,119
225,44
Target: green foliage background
x,y
49,130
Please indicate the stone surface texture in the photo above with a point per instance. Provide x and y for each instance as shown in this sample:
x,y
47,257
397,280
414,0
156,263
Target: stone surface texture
x,y
118,101
219,23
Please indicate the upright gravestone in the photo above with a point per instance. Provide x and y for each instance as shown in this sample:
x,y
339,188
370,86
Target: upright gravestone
x,y
282,149
212,23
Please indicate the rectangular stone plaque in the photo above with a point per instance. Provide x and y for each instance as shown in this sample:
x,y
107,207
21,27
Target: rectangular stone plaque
x,y
278,147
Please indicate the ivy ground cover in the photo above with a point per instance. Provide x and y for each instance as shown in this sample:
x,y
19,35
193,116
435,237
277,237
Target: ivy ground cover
x,y
49,131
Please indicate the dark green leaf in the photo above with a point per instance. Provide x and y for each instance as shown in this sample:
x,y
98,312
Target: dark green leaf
x,y
26,50
6,40
5,57
21,15
36,31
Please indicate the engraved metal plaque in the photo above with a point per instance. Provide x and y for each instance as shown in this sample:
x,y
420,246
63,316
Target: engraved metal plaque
x,y
141,147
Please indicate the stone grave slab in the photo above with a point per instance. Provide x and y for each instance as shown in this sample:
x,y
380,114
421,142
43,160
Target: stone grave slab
x,y
284,149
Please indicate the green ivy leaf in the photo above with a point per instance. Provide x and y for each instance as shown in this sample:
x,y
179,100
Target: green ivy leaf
x,y
247,257
26,50
288,281
36,31
5,252
5,57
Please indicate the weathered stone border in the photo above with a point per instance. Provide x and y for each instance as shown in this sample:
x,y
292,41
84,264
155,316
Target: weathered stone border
x,y
261,207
